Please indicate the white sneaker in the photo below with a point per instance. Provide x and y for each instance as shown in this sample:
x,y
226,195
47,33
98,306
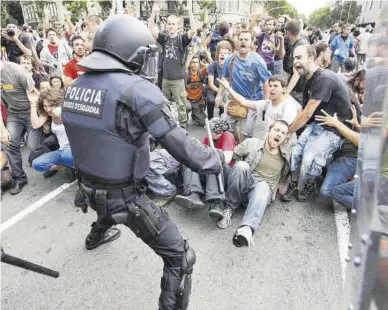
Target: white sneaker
x,y
243,237
226,219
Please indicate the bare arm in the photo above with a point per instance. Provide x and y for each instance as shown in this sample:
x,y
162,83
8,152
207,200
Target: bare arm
x,y
193,23
237,97
25,50
305,115
294,80
37,121
228,157
266,90
346,132
280,52
151,22
211,83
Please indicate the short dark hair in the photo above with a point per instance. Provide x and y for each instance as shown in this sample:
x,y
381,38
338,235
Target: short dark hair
x,y
57,77
278,78
293,26
76,38
246,31
223,28
269,18
280,121
50,29
321,47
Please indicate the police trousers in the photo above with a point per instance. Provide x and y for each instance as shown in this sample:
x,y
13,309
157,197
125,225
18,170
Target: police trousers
x,y
135,210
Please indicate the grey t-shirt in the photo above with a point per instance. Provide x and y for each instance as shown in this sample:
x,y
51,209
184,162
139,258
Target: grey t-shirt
x,y
14,86
173,66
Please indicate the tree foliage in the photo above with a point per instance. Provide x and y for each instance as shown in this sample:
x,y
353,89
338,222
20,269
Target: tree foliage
x,y
280,7
345,11
11,12
320,18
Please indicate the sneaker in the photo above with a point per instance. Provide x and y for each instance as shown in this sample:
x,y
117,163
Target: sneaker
x,y
192,201
162,201
290,193
307,192
95,239
216,210
69,174
226,219
243,237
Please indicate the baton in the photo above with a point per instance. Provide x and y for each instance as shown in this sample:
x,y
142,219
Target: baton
x,y
21,263
211,143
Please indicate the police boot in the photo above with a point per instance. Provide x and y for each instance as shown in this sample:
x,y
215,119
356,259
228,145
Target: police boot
x,y
177,283
97,236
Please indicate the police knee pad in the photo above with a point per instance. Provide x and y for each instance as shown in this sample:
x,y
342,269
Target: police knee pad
x,y
184,290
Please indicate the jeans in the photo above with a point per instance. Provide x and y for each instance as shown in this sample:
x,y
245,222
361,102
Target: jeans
x,y
175,91
314,148
59,158
336,65
343,194
18,124
192,183
242,187
161,163
338,172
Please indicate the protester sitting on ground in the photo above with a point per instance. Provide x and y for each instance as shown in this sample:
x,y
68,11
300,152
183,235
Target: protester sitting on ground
x,y
192,183
214,71
45,106
339,182
56,82
324,90
278,107
254,180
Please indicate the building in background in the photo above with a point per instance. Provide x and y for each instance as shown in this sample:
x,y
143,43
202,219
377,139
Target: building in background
x,y
370,12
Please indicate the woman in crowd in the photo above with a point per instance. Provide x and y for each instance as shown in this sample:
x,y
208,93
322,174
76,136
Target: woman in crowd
x,y
56,82
44,108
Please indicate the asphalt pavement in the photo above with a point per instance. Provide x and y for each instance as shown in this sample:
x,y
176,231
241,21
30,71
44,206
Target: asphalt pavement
x,y
294,263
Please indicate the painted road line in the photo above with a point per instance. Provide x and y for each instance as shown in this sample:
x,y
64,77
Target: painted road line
x,y
35,206
343,232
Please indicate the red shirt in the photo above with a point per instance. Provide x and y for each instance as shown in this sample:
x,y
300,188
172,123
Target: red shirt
x,y
72,70
225,143
53,50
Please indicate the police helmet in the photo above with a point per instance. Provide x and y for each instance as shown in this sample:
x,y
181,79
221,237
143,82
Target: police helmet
x,y
123,43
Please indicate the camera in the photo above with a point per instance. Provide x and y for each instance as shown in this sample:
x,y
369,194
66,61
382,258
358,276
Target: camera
x,y
10,33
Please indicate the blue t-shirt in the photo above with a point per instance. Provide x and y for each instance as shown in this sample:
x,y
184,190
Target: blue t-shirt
x,y
340,48
248,75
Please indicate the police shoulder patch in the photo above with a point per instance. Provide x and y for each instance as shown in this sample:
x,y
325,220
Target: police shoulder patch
x,y
83,100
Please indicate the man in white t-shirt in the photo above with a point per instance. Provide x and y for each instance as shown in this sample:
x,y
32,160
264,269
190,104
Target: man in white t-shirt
x,y
279,107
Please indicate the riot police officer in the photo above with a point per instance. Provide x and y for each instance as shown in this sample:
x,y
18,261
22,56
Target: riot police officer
x,y
108,113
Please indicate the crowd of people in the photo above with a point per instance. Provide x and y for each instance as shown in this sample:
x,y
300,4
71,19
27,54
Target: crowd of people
x,y
306,87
